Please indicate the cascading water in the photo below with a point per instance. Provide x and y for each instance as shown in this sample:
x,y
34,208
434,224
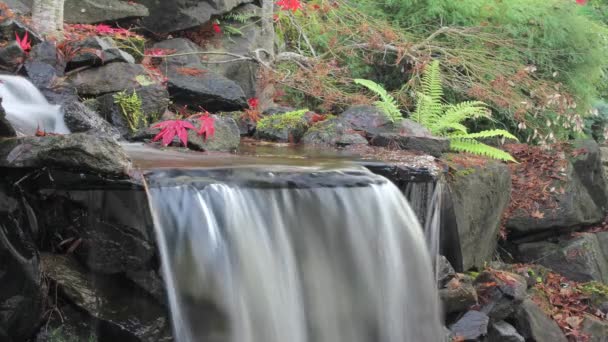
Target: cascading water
x,y
293,255
27,109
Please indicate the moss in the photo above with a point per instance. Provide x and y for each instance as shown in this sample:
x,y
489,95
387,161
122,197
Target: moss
x,y
130,105
282,121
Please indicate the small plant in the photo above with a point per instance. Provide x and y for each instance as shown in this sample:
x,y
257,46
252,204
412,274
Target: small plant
x,y
447,120
130,105
387,104
280,121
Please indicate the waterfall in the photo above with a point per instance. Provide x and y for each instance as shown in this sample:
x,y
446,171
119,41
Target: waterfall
x,y
27,109
294,255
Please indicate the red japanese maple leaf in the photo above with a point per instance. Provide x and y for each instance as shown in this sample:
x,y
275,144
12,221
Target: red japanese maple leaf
x,y
253,103
25,42
581,2
289,5
103,29
216,27
172,128
207,126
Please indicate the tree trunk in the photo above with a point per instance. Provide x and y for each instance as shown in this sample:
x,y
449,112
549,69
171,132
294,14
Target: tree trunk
x,y
265,92
47,17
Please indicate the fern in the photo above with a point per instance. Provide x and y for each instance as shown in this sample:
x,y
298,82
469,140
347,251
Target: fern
x,y
130,105
447,120
388,104
242,17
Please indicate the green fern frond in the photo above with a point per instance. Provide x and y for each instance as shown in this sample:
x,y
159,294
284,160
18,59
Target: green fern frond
x,y
475,147
431,86
242,17
487,134
388,104
464,111
453,128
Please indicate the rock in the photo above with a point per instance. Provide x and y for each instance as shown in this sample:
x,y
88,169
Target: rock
x,y
596,328
78,152
71,326
471,327
445,271
368,119
580,259
479,196
170,16
22,294
185,50
96,51
534,325
92,11
501,298
333,132
18,6
12,56
46,53
459,295
288,127
119,307
582,203
10,27
150,281
109,78
409,136
154,101
503,332
80,118
6,129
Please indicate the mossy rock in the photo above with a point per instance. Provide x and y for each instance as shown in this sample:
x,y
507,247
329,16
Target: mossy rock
x,y
287,127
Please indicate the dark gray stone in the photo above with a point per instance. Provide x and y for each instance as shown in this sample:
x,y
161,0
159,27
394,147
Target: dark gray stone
x,y
11,56
109,78
78,152
500,301
10,27
471,327
332,132
150,281
92,11
170,16
403,140
71,326
125,309
534,325
368,119
503,332
458,295
581,258
96,51
46,53
80,118
479,196
6,129
595,328
445,271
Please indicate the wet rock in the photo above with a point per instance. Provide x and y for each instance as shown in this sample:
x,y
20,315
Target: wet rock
x,y
595,328
445,271
71,326
6,129
473,326
368,119
46,53
583,201
581,258
22,293
92,12
458,295
501,293
479,196
288,127
10,27
150,281
409,135
109,78
127,312
79,152
332,132
11,56
154,101
170,16
534,325
80,118
95,51
503,332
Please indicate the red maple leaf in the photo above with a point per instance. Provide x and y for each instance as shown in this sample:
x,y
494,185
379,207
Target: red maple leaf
x,y
103,29
172,128
317,118
289,5
216,27
253,103
25,42
207,126
581,2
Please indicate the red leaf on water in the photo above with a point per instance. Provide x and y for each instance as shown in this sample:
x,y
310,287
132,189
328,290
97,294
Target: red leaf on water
x,y
171,129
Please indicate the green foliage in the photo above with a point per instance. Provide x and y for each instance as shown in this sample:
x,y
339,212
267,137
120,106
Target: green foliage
x,y
596,124
281,121
130,105
447,120
387,103
239,17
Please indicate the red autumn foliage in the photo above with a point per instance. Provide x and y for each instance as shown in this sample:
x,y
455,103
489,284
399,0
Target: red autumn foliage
x,y
25,42
253,103
190,71
207,126
317,118
171,129
289,5
159,52
216,27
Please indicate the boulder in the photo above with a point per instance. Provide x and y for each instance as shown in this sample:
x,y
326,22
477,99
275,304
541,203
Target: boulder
x,y
583,201
96,51
71,326
473,326
458,295
11,56
6,129
95,11
45,69
75,152
131,315
534,325
22,294
445,271
80,118
109,78
151,282
502,331
287,127
10,27
170,16
368,119
409,135
479,197
595,328
332,132
501,293
582,258
46,53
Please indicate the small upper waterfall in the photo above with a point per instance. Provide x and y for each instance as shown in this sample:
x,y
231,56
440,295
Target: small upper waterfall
x,y
293,255
27,109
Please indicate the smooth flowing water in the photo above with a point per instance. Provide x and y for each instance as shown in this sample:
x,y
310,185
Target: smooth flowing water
x,y
296,254
27,109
